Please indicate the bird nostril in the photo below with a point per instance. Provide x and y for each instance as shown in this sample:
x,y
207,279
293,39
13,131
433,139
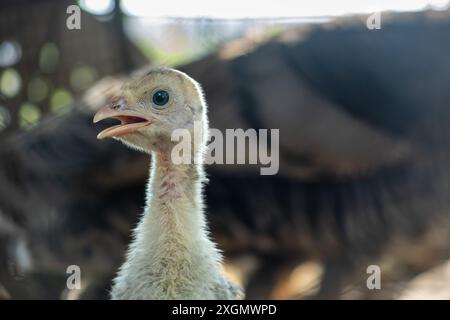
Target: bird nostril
x,y
118,103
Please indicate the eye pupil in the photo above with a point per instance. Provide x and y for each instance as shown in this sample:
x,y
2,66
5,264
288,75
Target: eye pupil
x,y
160,98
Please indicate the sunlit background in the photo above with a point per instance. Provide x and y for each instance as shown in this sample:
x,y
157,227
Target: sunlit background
x,y
236,9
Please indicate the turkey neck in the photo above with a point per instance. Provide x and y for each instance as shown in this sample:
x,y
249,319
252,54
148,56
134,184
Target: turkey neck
x,y
174,210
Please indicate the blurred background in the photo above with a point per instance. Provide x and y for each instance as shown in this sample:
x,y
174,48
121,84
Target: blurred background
x,y
359,91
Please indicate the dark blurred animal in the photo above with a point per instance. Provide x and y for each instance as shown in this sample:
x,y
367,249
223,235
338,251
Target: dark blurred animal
x,y
364,163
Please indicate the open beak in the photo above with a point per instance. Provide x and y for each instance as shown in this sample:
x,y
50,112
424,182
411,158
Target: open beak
x,y
130,121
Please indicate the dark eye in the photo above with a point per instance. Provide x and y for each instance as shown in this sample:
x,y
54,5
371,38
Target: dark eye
x,y
160,98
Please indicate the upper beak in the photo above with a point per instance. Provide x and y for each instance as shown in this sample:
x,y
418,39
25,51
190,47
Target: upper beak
x,y
130,120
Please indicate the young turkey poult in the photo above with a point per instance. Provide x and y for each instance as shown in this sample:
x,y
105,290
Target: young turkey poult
x,y
171,255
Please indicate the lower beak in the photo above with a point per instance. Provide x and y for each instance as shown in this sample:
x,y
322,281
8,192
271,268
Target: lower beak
x,y
130,121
